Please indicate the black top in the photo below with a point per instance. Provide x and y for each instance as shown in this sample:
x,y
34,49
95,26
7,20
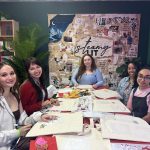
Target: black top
x,y
17,114
139,105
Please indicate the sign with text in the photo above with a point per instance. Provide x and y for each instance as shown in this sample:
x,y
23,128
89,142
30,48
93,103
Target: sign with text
x,y
109,38
95,46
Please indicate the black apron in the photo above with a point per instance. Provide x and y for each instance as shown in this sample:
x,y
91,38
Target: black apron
x,y
139,105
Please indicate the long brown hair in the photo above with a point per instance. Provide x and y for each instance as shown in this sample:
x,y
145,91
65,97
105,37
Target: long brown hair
x,y
13,89
82,67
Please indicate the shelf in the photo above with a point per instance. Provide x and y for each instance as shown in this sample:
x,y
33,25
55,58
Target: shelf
x,y
8,29
6,53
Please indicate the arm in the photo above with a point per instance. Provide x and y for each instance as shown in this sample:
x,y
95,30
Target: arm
x,y
7,136
29,98
24,119
147,117
26,122
129,103
8,133
100,80
32,119
73,78
121,86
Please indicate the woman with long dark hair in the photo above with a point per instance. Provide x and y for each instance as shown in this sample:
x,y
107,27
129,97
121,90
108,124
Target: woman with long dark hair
x,y
33,92
87,73
129,82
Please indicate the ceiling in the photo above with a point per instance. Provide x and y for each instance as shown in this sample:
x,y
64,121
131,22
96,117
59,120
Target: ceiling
x,y
64,0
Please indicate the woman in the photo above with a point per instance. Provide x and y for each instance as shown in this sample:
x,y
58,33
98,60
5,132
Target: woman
x,y
87,73
33,92
128,83
12,114
139,100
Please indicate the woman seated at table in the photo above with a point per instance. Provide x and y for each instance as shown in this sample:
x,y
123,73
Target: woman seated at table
x,y
14,122
87,73
127,83
139,100
33,92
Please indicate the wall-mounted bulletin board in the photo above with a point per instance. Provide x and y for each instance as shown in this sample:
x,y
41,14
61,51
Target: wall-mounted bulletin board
x,y
109,38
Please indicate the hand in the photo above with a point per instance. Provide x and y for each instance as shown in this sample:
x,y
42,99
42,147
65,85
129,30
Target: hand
x,y
45,103
24,129
94,86
55,102
47,117
76,84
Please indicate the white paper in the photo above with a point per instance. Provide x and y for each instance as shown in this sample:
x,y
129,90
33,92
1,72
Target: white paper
x,y
78,104
51,90
91,141
84,87
65,90
106,93
130,119
110,106
66,105
130,146
96,114
66,123
122,130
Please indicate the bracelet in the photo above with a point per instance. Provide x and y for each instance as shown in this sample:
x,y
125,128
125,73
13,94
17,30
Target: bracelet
x,y
18,132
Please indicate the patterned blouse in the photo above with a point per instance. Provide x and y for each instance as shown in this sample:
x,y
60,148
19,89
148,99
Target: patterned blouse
x,y
124,89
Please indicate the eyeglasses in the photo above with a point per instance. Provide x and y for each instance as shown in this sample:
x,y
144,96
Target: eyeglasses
x,y
146,78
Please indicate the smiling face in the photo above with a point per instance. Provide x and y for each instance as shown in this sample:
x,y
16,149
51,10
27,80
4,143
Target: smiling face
x,y
144,78
7,76
87,61
131,70
35,71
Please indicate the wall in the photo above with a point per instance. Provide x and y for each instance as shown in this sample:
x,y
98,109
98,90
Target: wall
x,y
28,12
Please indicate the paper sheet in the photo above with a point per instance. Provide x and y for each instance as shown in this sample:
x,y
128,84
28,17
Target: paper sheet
x,y
65,90
84,87
66,105
51,90
116,129
130,119
106,93
109,106
66,123
83,104
129,146
91,141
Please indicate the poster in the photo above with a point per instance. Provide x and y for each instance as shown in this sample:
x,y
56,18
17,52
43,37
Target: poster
x,y
109,38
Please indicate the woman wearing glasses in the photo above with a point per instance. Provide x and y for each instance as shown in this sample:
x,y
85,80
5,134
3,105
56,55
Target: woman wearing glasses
x,y
139,100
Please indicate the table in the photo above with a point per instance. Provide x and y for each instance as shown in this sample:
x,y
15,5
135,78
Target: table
x,y
95,140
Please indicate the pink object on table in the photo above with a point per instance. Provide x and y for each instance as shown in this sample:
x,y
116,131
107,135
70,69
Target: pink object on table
x,y
51,141
41,144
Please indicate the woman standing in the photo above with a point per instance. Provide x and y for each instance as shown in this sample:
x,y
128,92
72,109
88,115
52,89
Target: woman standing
x,y
33,92
87,73
12,114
